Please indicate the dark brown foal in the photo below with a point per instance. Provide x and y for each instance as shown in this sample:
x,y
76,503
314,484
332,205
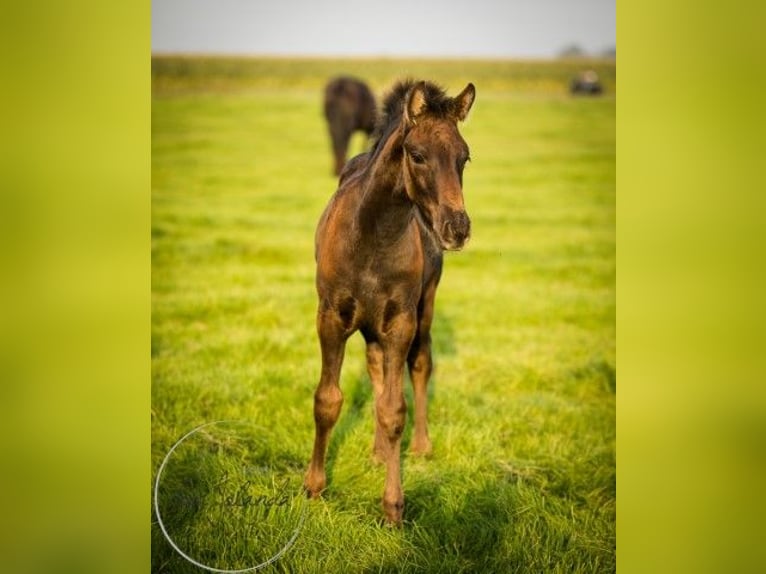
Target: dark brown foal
x,y
379,247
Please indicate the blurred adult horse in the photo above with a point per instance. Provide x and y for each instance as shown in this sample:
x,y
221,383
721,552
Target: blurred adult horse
x,y
379,246
349,106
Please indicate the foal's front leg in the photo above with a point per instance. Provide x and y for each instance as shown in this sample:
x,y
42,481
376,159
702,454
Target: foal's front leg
x,y
391,411
328,398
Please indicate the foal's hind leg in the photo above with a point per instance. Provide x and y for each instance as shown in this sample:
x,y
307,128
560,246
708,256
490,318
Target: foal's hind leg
x,y
375,370
328,398
420,366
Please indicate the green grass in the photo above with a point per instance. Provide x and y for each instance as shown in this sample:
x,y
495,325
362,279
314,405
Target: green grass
x,y
522,403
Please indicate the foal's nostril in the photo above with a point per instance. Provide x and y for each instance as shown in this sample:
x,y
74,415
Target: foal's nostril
x,y
457,228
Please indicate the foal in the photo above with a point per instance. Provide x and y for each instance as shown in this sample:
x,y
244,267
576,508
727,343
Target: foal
x,y
379,247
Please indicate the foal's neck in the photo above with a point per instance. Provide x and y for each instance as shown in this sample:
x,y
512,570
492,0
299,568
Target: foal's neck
x,y
386,212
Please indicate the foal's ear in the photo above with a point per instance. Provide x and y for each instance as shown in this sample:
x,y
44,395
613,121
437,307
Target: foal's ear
x,y
463,102
416,103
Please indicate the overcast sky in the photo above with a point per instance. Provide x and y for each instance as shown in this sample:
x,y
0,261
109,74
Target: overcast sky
x,y
510,28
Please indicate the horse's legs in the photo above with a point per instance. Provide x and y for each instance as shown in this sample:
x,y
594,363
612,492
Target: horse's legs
x,y
420,365
341,130
328,398
375,370
391,409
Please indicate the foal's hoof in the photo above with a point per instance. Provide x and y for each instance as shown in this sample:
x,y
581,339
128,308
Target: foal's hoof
x,y
394,512
313,487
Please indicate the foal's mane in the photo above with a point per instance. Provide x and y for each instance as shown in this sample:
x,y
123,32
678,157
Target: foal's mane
x,y
438,103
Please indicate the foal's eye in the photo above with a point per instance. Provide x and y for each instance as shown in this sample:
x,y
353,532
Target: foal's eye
x,y
417,157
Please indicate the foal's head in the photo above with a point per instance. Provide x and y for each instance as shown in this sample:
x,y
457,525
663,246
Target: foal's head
x,y
434,157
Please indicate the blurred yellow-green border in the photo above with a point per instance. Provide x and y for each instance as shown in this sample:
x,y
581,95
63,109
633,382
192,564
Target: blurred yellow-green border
x,y
76,287
691,418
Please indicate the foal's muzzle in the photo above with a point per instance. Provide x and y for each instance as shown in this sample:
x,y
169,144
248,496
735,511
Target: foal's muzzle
x,y
455,229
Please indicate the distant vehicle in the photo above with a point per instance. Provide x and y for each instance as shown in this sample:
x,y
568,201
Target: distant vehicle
x,y
586,82
349,106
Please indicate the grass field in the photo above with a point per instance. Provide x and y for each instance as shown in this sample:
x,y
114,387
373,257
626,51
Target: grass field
x,y
522,403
